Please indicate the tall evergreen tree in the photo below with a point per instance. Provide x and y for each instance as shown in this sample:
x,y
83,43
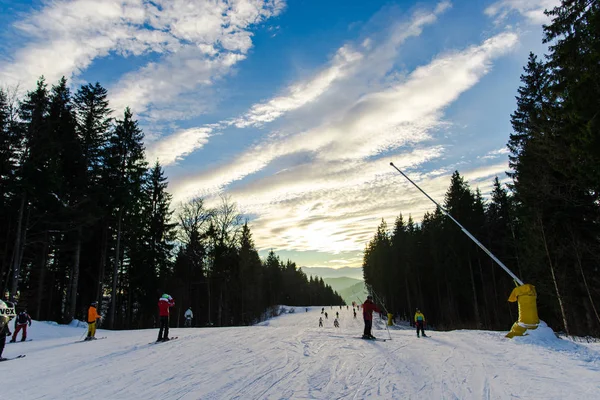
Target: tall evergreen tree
x,y
125,174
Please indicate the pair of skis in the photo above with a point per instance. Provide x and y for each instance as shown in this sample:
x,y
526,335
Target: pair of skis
x,y
12,358
164,341
372,339
16,341
93,340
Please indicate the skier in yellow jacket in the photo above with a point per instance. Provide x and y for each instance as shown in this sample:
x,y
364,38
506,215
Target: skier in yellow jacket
x,y
92,317
420,322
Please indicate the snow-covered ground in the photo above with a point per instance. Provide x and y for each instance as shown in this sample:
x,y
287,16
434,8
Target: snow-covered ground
x,y
289,357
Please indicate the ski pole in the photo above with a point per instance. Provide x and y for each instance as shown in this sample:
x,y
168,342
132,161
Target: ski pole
x,y
378,299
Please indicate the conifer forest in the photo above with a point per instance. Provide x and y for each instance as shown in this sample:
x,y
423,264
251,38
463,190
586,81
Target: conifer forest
x,y
86,217
544,224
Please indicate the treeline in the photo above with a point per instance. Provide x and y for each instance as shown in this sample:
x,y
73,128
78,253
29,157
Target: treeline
x,y
546,228
86,218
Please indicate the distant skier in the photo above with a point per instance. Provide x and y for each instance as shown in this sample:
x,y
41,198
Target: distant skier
x,y
189,315
164,304
93,316
320,322
322,310
420,322
21,322
337,314
353,310
368,308
326,316
7,312
336,323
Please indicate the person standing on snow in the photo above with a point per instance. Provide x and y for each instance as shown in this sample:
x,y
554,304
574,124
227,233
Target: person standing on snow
x,y
7,312
164,304
336,323
320,322
420,322
189,315
368,308
91,320
21,322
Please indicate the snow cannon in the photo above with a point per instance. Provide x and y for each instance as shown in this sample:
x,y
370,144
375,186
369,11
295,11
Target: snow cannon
x,y
526,297
7,312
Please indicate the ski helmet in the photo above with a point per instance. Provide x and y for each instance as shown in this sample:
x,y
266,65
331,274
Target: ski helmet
x,y
94,303
369,297
165,296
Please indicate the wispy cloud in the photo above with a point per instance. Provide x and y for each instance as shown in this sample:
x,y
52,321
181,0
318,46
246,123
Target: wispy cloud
x,y
363,62
336,183
198,40
532,10
373,124
349,60
495,154
302,93
190,138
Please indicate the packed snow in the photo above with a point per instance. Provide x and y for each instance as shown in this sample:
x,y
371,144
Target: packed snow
x,y
290,357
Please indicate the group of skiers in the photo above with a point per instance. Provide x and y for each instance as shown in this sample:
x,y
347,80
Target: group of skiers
x,y
368,307
165,302
8,305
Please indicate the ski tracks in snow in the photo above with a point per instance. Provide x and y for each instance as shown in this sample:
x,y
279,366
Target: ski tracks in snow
x,y
291,358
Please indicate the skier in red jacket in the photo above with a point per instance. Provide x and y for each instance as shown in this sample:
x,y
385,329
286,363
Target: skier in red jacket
x,y
368,308
164,303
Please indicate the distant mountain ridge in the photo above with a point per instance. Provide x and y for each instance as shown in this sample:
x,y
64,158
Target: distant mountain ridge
x,y
349,289
323,272
346,281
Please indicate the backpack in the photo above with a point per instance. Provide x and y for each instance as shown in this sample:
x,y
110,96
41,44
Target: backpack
x,y
22,318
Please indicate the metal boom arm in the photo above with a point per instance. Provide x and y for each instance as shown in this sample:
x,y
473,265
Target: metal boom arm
x,y
477,242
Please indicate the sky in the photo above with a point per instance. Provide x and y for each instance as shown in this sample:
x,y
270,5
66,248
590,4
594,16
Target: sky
x,y
294,109
291,357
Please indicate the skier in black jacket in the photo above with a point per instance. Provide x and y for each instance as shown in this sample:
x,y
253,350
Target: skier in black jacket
x,y
21,322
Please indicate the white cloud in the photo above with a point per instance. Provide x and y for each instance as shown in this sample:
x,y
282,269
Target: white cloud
x,y
365,60
348,60
333,199
302,93
502,152
159,85
166,150
200,40
532,10
376,123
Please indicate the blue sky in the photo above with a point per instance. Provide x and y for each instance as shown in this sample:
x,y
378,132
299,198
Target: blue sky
x,y
294,109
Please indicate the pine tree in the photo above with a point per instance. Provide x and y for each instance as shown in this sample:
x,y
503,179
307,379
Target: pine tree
x,y
126,168
11,138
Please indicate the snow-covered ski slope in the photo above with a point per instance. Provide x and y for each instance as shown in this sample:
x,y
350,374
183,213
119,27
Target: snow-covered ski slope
x,y
289,357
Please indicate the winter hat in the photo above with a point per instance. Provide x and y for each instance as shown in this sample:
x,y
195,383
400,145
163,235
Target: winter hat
x,y
370,297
